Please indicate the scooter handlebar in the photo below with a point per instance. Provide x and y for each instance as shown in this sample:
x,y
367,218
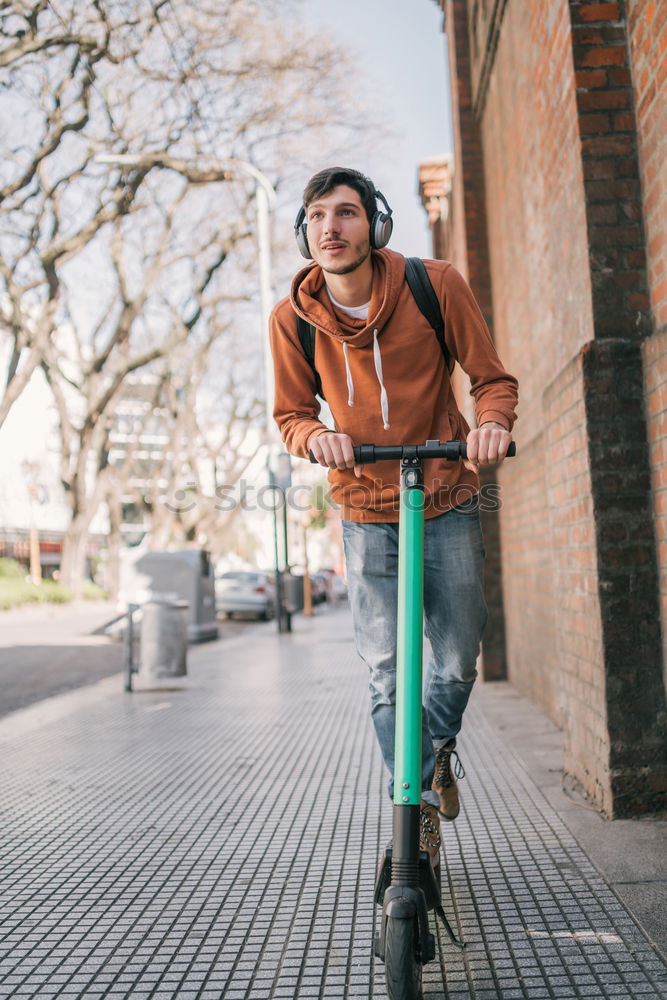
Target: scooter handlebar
x,y
366,454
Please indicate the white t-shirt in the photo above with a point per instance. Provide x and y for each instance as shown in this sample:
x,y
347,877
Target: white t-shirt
x,y
356,312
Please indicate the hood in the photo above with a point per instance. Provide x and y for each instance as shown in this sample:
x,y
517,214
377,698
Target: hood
x,y
310,300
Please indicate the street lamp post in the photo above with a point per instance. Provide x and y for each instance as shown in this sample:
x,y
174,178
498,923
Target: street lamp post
x,y
265,197
280,479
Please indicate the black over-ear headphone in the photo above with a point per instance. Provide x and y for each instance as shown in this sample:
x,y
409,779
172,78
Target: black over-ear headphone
x,y
380,229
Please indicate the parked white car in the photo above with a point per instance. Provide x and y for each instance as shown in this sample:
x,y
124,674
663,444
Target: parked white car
x,y
338,588
245,592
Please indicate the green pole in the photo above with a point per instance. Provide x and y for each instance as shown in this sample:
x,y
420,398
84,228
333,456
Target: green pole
x,y
408,744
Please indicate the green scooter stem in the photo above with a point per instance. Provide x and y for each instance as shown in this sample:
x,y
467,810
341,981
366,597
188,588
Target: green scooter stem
x,y
408,741
407,885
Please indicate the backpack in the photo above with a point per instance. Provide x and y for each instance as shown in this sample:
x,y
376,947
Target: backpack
x,y
424,295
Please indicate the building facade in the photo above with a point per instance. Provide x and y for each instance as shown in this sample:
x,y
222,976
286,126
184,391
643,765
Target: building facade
x,y
554,206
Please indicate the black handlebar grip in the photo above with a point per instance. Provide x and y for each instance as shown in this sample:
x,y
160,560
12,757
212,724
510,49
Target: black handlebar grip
x,y
510,453
365,454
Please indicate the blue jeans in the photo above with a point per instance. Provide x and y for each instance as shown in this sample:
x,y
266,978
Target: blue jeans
x,y
455,613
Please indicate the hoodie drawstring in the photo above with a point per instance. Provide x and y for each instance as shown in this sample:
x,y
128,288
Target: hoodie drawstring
x,y
350,383
377,357
384,399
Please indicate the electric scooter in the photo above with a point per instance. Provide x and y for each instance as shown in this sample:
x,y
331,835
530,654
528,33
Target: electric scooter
x,y
408,884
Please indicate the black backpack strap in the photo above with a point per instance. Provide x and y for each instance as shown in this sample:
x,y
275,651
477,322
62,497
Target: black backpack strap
x,y
306,332
424,295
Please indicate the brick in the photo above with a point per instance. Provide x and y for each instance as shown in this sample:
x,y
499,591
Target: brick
x,y
607,56
624,122
584,36
599,169
620,76
640,302
615,531
589,79
634,258
647,93
586,13
630,279
660,291
631,210
626,166
611,190
594,124
605,213
611,145
620,235
598,100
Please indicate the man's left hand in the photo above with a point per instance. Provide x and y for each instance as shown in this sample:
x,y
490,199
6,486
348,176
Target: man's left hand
x,y
487,445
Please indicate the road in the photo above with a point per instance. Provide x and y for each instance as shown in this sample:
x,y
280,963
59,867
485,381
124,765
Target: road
x,y
48,649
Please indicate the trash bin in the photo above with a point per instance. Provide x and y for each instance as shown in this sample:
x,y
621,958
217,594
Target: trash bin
x,y
183,576
164,639
292,592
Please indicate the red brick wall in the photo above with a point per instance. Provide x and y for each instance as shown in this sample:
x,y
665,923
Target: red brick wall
x,y
469,201
464,242
647,22
611,170
578,634
655,374
565,164
541,301
531,624
454,232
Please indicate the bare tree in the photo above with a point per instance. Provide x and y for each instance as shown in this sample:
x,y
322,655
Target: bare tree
x,y
107,271
210,415
51,68
206,410
177,294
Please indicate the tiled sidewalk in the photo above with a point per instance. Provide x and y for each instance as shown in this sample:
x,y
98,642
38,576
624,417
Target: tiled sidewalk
x,y
220,841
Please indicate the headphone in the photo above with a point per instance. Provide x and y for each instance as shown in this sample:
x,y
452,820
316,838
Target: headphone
x,y
380,228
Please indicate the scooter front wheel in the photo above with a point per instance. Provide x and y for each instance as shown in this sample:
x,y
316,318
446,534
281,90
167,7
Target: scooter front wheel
x,y
403,972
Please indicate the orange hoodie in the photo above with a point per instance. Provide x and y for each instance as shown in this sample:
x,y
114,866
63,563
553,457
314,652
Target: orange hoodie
x,y
386,382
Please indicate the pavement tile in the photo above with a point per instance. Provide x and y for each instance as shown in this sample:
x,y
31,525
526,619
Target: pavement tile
x,y
142,862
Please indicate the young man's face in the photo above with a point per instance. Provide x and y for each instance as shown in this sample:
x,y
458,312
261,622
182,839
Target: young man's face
x,y
338,231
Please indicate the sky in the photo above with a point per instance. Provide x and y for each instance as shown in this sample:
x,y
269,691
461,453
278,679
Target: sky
x,y
402,49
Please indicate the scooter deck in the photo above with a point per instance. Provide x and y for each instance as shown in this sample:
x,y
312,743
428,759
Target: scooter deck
x,y
429,878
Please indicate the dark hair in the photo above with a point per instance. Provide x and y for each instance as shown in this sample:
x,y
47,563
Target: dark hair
x,y
326,180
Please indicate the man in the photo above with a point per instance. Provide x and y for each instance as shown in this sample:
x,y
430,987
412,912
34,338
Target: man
x,y
386,380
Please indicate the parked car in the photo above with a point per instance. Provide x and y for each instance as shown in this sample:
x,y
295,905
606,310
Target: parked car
x,y
245,592
337,589
336,586
318,585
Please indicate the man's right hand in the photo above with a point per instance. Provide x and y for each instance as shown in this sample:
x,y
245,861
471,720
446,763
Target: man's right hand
x,y
334,451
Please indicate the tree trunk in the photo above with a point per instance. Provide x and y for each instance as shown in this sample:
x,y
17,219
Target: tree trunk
x,y
73,563
114,543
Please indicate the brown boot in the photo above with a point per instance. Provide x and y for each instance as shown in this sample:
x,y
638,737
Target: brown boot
x,y
444,782
429,831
